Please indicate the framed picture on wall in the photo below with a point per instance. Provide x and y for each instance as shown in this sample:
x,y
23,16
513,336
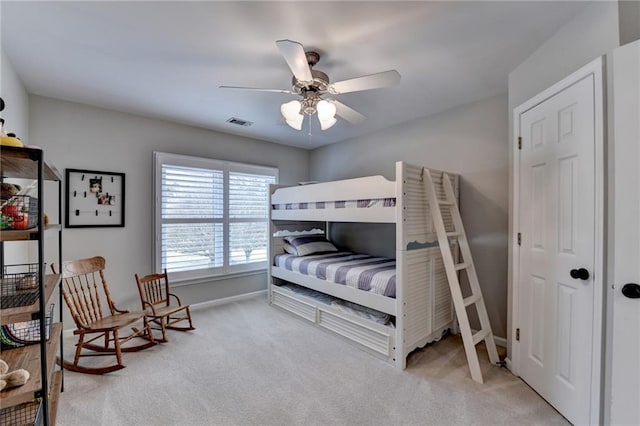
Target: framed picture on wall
x,y
93,199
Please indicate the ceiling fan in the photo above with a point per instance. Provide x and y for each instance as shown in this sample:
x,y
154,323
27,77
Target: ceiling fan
x,y
313,85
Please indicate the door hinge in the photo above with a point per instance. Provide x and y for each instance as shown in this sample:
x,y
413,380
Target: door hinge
x,y
519,239
519,142
517,334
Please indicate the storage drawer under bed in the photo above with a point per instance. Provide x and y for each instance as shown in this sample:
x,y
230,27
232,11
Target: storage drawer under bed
x,y
369,337
373,337
294,305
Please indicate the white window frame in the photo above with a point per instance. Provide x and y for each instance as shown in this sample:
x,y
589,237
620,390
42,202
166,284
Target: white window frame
x,y
199,275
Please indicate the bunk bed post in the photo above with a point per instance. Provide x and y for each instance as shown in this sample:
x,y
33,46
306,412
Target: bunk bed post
x,y
399,350
270,248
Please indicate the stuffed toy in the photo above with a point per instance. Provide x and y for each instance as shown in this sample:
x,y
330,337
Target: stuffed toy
x,y
13,378
8,190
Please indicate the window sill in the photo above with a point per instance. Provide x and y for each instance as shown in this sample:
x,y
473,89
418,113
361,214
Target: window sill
x,y
212,278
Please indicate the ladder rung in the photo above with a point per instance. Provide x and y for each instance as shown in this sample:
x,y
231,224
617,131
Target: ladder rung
x,y
480,336
461,266
471,299
446,203
454,234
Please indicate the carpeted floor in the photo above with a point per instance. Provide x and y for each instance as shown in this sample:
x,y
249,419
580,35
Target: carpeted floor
x,y
248,363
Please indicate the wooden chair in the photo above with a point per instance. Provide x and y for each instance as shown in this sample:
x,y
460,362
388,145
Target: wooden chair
x,y
156,301
83,288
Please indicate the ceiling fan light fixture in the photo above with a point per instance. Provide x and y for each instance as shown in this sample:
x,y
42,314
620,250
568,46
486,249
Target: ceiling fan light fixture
x,y
327,123
291,113
326,114
312,84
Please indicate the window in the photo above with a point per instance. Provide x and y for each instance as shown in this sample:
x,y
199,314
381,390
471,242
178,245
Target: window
x,y
210,216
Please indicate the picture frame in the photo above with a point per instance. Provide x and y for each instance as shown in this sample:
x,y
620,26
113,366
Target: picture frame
x,y
94,199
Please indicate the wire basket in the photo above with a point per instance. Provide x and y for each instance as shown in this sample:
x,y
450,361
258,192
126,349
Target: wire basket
x,y
19,212
25,333
20,415
19,285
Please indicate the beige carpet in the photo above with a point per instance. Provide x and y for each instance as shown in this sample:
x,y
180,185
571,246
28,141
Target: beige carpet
x,y
251,364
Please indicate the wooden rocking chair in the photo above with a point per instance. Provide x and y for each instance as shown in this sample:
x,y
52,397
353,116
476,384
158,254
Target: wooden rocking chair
x,y
82,281
156,301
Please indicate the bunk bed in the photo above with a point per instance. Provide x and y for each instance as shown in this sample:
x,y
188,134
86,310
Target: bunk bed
x,y
388,320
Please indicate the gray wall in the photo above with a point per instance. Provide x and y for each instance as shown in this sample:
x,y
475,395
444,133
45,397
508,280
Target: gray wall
x,y
470,140
592,33
629,12
16,117
84,137
16,113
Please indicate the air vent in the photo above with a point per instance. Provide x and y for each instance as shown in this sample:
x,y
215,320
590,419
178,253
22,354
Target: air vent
x,y
239,122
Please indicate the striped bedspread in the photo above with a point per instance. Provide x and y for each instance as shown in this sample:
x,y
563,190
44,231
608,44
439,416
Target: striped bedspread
x,y
380,202
374,274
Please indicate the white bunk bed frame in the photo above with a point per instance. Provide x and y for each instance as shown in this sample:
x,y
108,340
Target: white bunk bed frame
x,y
422,307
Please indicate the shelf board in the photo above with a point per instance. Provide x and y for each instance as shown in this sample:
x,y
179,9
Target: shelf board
x,y
24,313
54,396
27,234
20,163
28,357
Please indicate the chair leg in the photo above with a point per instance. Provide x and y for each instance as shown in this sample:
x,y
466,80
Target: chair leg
x,y
159,321
163,329
144,333
187,317
147,327
116,342
76,359
75,366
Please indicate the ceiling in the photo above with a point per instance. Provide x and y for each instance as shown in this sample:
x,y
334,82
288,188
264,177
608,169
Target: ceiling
x,y
166,59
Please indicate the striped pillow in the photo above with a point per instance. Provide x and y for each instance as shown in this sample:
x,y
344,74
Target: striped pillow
x,y
310,244
288,248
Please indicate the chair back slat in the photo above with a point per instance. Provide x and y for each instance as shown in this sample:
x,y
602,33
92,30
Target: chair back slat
x,y
83,285
153,289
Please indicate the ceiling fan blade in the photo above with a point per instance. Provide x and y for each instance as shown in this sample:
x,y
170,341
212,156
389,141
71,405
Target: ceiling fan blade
x,y
348,113
257,89
373,81
293,53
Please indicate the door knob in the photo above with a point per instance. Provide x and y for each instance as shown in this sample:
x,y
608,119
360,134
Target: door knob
x,y
579,274
631,290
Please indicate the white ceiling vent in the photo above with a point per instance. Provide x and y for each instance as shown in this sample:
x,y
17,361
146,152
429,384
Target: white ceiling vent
x,y
240,122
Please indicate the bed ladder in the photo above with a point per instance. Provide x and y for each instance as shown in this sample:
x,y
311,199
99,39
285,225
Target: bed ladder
x,y
460,303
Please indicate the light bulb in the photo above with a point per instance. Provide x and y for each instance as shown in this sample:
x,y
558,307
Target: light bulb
x,y
291,113
326,114
326,123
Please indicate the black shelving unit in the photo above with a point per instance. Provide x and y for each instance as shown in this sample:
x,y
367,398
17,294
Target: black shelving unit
x,y
36,401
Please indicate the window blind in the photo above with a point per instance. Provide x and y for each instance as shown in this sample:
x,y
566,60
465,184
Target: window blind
x,y
211,216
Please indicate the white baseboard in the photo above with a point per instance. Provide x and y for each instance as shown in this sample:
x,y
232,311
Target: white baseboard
x,y
203,305
500,341
224,300
509,364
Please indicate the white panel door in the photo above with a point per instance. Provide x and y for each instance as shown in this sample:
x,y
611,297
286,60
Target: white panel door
x,y
557,255
625,354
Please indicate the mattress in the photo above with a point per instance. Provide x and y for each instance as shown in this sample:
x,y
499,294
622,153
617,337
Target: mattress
x,y
368,203
361,271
